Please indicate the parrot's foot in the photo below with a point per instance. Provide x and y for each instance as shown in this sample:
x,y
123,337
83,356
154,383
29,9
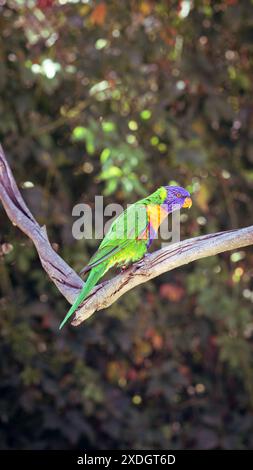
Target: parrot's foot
x,y
124,268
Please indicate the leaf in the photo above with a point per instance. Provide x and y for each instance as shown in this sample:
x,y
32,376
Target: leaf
x,y
202,197
112,172
79,133
146,8
108,126
98,15
44,4
172,292
111,186
82,133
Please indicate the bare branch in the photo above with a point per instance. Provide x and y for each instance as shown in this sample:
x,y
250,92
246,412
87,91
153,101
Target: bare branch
x,y
161,261
106,293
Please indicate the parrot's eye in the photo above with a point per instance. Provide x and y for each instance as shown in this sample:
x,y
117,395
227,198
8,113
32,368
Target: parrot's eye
x,y
179,195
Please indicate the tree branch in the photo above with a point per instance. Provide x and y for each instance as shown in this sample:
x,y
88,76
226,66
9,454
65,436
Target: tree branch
x,y
65,279
162,261
106,293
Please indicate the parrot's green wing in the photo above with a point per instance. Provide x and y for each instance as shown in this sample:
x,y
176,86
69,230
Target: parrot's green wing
x,y
128,226
103,254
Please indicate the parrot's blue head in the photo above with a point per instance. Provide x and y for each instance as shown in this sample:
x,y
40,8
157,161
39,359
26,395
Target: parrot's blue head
x,y
176,198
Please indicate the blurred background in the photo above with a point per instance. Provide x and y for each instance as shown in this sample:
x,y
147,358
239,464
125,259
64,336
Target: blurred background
x,y
117,98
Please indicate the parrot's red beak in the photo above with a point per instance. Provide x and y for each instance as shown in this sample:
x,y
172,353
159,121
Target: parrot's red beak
x,y
187,202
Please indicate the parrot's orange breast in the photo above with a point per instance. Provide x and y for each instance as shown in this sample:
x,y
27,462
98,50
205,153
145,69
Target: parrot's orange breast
x,y
156,215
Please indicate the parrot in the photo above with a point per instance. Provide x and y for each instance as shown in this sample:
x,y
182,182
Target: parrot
x,y
130,236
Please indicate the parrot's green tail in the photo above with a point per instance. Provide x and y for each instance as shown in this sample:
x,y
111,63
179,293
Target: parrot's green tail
x,y
95,275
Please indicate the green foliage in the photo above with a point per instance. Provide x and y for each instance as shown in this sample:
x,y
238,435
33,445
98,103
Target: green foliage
x,y
103,98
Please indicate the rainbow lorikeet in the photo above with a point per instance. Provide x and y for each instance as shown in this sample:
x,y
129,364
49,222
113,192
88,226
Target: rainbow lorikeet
x,y
130,236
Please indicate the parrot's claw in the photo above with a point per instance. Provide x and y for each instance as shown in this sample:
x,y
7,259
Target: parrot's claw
x,y
124,268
